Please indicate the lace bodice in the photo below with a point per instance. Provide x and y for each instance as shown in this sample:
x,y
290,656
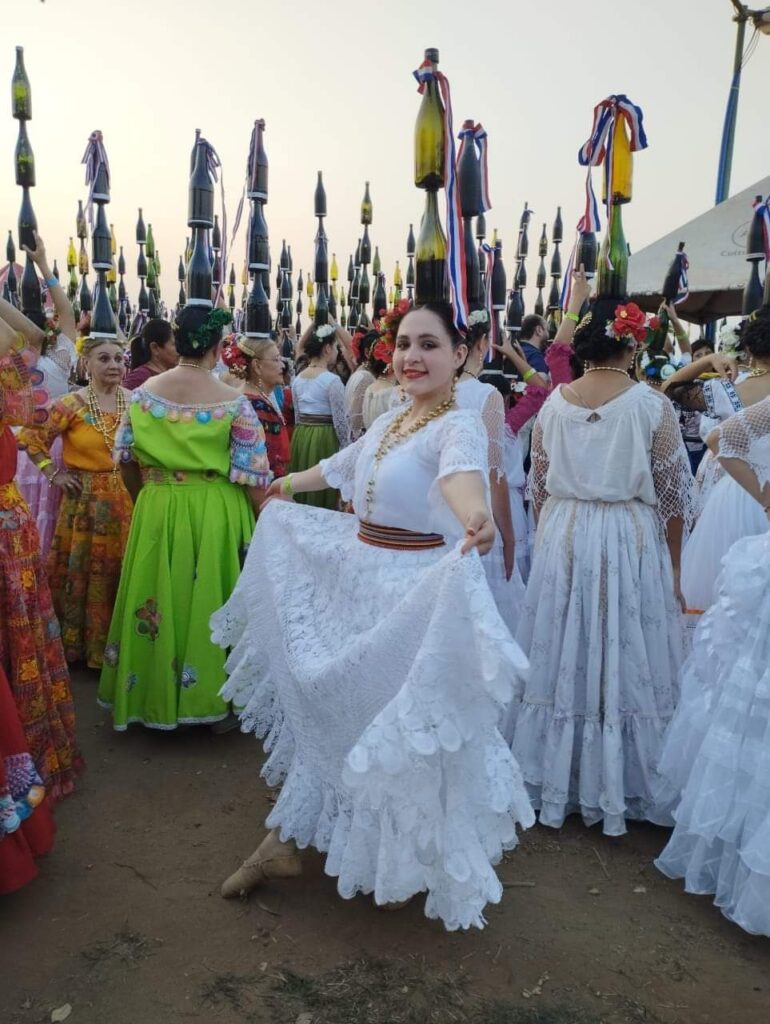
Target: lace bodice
x,y
633,451
487,400
57,365
355,389
406,490
323,395
377,400
746,436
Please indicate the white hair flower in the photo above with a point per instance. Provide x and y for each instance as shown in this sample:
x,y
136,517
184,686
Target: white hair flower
x,y
667,371
324,331
645,361
478,316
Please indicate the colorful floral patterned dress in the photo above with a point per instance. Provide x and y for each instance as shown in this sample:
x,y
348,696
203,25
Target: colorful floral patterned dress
x,y
192,523
91,530
277,422
32,665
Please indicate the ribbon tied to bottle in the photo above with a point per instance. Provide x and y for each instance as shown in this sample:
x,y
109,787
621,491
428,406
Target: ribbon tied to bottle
x,y
598,148
214,164
94,155
455,240
489,258
477,136
763,207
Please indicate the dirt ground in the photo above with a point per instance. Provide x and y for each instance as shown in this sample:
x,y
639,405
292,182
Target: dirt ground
x,y
125,924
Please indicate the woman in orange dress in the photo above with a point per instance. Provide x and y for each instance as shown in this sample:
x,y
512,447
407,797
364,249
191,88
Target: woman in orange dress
x,y
92,527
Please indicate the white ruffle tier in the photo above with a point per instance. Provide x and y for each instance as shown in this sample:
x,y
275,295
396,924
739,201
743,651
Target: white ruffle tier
x,y
716,759
378,679
729,514
603,634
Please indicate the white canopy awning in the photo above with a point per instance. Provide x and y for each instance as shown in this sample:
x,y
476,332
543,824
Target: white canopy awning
x,y
715,244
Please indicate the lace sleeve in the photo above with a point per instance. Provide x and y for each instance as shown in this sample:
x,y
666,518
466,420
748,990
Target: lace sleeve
x,y
17,404
462,445
248,450
339,416
493,417
538,474
746,436
339,470
558,358
671,473
529,405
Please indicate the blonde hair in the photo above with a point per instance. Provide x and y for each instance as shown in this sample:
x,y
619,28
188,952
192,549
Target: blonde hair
x,y
90,343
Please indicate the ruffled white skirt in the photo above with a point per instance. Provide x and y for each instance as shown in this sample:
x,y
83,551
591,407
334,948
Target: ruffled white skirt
x,y
602,630
730,513
716,759
378,678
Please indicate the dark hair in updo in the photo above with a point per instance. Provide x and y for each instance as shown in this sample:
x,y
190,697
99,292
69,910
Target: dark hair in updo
x,y
590,342
314,345
755,336
198,329
157,332
443,311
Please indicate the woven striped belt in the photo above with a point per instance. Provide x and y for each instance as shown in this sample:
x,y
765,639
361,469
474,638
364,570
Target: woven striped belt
x,y
314,421
397,540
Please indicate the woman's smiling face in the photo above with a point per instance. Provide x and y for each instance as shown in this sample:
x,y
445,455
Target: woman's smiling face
x,y
425,360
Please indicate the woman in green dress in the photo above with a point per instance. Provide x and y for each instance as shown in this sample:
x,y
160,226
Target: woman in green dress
x,y
193,457
321,423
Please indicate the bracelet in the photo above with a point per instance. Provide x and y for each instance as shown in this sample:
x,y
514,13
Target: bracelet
x,y
287,486
45,462
51,282
572,316
52,477
528,375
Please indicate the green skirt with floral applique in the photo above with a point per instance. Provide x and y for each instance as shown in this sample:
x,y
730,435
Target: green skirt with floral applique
x,y
188,538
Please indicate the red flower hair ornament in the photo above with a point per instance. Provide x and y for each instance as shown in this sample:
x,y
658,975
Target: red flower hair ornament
x,y
630,322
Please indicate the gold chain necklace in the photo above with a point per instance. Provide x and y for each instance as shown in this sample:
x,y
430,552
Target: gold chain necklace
x,y
193,366
758,373
615,369
98,420
396,434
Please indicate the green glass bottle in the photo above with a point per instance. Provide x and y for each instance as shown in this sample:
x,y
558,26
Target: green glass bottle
x,y
431,255
366,207
429,134
20,89
613,257
25,159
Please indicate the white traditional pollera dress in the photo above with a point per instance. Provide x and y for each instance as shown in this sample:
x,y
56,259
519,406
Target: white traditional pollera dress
x,y
379,677
601,625
727,511
488,402
716,758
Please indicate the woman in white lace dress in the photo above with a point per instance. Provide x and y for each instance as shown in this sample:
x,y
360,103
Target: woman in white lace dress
x,y
369,651
601,622
358,382
501,565
321,424
727,512
716,759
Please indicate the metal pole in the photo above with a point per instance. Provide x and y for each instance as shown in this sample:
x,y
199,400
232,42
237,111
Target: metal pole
x,y
731,114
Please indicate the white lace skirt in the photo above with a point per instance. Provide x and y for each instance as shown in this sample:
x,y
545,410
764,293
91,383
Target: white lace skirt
x,y
716,760
602,630
508,593
729,514
378,678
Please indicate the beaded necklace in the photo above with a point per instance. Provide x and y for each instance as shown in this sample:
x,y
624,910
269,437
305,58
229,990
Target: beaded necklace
x,y
98,420
395,435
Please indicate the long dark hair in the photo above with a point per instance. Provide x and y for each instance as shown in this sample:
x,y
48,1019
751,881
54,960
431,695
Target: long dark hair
x,y
157,332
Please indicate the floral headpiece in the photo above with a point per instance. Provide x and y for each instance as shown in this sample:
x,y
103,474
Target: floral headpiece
x,y
630,322
478,316
730,340
236,353
324,331
389,324
657,366
205,334
51,332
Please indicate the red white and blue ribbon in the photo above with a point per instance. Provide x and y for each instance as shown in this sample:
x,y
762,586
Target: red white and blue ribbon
x,y
455,240
478,136
488,253
94,155
214,164
763,208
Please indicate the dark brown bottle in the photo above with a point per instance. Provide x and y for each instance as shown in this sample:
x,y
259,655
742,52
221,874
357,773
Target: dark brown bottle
x,y
320,197
200,211
259,167
27,221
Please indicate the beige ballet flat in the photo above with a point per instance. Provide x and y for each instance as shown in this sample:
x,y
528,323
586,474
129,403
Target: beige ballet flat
x,y
271,860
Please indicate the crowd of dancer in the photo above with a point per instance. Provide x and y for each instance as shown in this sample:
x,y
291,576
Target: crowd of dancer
x,y
448,606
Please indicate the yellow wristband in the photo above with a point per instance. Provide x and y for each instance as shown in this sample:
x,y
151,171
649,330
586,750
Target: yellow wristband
x,y
286,486
573,317
529,375
18,342
45,462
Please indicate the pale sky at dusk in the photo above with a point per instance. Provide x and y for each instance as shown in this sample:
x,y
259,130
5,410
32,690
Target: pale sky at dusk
x,y
333,82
